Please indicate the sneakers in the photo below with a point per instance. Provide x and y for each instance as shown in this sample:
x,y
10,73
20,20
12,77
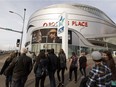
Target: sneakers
x,y
70,80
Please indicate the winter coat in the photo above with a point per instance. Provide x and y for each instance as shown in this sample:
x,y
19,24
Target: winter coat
x,y
6,64
41,68
82,61
22,66
52,64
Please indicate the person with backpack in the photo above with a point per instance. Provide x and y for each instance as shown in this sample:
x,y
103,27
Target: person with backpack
x,y
52,67
73,66
61,66
40,69
100,75
83,63
5,66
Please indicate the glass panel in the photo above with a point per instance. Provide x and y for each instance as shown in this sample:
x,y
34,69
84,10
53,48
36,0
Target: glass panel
x,y
58,47
54,47
49,46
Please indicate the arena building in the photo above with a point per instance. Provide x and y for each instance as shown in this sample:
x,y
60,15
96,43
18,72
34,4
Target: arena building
x,y
88,29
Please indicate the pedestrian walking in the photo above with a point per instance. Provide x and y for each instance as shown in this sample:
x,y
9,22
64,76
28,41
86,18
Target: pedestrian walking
x,y
100,75
22,67
61,67
5,66
109,61
52,67
40,69
33,58
83,64
31,55
73,66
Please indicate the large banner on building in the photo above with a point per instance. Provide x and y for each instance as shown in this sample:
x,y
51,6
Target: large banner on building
x,y
49,36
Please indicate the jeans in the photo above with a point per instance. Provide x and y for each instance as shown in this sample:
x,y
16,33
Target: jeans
x,y
20,82
52,78
83,71
75,73
8,81
62,74
37,81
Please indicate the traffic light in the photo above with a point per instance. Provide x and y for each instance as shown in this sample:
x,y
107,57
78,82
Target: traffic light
x,y
18,42
17,45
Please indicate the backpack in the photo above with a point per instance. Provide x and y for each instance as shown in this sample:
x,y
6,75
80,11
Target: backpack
x,y
41,69
62,60
74,61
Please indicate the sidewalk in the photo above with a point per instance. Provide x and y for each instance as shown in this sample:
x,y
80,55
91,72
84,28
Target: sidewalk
x,y
3,57
67,83
31,80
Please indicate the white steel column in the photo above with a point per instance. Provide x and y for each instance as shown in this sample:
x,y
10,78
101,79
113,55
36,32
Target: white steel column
x,y
62,31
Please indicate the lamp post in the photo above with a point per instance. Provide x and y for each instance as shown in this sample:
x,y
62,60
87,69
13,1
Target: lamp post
x,y
23,19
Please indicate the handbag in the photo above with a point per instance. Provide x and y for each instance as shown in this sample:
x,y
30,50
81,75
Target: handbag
x,y
74,62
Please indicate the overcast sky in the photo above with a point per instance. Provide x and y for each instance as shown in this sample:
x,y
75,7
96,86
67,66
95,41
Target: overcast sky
x,y
13,21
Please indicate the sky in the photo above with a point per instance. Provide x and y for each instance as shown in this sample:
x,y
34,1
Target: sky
x,y
9,20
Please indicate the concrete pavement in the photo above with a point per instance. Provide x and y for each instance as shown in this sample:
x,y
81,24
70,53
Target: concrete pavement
x,y
31,79
67,83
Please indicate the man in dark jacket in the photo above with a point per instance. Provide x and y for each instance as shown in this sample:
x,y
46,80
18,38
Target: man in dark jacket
x,y
83,63
52,66
22,67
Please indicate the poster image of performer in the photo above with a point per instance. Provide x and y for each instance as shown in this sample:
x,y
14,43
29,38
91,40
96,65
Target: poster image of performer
x,y
48,36
52,36
36,36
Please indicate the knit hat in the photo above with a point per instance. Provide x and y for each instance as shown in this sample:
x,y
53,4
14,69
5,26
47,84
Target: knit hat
x,y
96,55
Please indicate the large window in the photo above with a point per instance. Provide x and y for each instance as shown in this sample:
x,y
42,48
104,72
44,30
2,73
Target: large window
x,y
46,46
49,36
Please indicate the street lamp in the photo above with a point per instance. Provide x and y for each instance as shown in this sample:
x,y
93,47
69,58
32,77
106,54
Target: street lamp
x,y
23,18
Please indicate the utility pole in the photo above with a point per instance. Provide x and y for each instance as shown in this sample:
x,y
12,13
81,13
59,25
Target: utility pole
x,y
23,19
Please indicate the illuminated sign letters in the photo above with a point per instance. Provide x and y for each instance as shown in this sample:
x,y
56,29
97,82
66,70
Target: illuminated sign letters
x,y
70,23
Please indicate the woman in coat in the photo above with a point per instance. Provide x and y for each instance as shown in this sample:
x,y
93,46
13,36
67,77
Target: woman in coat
x,y
61,66
109,61
40,69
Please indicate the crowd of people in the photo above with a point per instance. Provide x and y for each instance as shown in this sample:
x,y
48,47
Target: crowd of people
x,y
17,68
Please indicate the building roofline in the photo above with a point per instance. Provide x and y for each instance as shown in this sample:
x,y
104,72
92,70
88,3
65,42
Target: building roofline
x,y
88,8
